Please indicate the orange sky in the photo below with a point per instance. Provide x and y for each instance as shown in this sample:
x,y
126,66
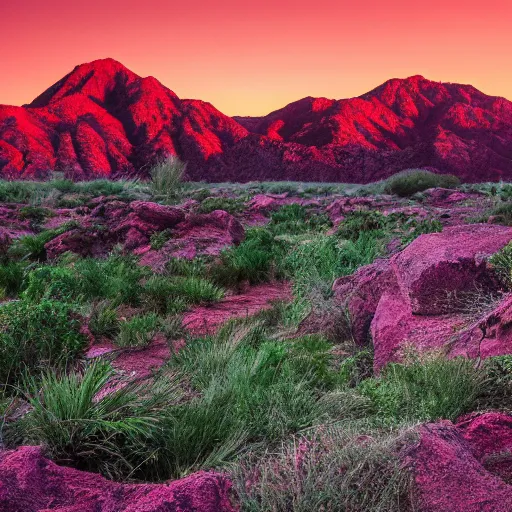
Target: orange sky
x,y
250,57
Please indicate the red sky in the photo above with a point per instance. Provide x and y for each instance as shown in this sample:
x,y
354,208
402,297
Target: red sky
x,y
250,57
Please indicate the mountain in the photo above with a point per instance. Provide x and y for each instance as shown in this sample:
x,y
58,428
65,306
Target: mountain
x,y
104,120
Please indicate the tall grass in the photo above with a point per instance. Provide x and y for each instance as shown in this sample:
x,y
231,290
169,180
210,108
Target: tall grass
x,y
80,422
167,178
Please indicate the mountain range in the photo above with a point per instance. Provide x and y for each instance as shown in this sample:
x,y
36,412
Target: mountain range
x,y
103,120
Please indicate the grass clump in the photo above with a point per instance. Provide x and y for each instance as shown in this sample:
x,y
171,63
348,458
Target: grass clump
x,y
108,433
502,263
331,470
159,238
137,331
103,320
228,204
37,336
167,178
166,295
407,183
426,388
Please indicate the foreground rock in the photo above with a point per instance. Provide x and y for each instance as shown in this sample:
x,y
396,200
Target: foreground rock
x,y
466,467
31,483
428,296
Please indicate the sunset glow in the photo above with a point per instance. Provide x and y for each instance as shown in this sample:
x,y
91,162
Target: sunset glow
x,y
251,57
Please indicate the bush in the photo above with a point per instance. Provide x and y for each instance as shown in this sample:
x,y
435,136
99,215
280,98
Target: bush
x,y
37,336
360,221
12,275
166,295
167,178
294,219
55,283
407,183
138,331
253,260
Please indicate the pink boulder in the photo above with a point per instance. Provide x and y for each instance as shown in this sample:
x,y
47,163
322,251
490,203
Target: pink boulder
x,y
455,467
452,261
414,298
31,483
160,216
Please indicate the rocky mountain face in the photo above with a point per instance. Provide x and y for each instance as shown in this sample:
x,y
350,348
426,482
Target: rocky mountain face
x,y
102,120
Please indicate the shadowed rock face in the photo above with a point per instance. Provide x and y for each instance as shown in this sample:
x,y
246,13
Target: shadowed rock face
x,y
31,483
103,120
465,467
414,298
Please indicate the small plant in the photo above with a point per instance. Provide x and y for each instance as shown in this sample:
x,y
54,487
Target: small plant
x,y
502,262
138,331
12,276
103,320
332,469
407,183
159,238
360,221
167,178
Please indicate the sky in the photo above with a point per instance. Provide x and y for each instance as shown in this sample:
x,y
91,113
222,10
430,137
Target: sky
x,y
250,57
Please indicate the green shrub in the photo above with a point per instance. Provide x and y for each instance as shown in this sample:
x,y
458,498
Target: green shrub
x,y
138,331
407,183
428,388
35,214
294,219
502,262
55,283
227,204
252,260
503,214
37,336
167,178
117,278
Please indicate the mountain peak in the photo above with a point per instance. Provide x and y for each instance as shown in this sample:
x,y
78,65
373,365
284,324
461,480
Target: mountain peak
x,y
102,119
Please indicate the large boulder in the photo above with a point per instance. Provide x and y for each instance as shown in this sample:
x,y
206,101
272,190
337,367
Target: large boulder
x,y
419,296
31,483
453,261
466,467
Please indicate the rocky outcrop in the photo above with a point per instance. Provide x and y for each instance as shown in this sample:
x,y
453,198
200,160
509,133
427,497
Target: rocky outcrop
x,y
102,120
31,483
198,235
427,296
466,467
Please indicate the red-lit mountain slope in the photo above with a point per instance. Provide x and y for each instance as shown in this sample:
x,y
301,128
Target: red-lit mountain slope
x,y
103,120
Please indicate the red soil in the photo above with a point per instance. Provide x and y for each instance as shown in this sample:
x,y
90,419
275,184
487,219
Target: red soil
x,y
206,319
